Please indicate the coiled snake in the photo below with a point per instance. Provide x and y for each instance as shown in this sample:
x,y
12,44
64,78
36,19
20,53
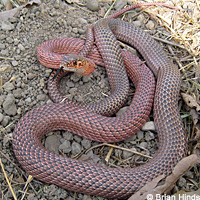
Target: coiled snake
x,y
81,119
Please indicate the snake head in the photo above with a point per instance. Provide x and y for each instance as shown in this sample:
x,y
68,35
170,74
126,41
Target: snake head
x,y
78,64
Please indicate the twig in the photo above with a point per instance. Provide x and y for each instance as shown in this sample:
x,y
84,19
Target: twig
x,y
168,42
6,58
118,147
5,174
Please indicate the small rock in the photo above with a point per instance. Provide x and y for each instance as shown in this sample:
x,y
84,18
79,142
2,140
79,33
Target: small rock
x,y
1,117
2,46
140,135
5,68
92,5
86,79
68,136
86,143
7,26
65,147
14,63
4,52
132,139
149,136
52,143
137,23
86,197
76,148
77,138
82,20
122,111
5,121
118,153
143,145
127,154
149,126
75,30
17,93
41,97
141,18
150,25
9,105
72,90
21,47
2,98
182,182
75,77
119,4
28,100
70,84
8,86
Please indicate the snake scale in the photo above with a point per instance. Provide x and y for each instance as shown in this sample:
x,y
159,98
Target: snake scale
x,y
92,179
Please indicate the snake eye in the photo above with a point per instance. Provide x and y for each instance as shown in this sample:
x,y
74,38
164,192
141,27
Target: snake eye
x,y
75,62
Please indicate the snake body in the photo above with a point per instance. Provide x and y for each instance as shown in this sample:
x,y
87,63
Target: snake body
x,y
97,180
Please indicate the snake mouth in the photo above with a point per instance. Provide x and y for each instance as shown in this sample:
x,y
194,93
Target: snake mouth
x,y
78,64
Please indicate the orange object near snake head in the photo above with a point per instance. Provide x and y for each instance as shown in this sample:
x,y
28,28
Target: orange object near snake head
x,y
78,64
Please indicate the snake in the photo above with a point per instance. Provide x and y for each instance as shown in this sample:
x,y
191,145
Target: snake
x,y
84,120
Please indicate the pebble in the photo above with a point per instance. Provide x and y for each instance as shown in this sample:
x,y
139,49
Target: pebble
x,y
140,135
143,145
127,154
137,23
8,86
86,143
150,25
70,84
182,182
76,148
1,117
14,63
7,26
149,126
17,93
5,121
119,4
52,143
2,46
21,47
149,136
41,97
5,68
4,52
65,147
9,105
141,18
93,5
86,79
28,100
68,136
72,90
75,77
77,138
122,111
2,98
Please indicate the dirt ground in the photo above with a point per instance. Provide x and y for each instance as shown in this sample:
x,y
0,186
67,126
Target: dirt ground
x,y
23,87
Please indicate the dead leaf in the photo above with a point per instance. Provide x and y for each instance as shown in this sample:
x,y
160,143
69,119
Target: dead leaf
x,y
190,101
197,149
5,15
9,5
195,116
152,189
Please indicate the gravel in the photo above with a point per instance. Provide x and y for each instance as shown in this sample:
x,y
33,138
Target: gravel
x,y
24,88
